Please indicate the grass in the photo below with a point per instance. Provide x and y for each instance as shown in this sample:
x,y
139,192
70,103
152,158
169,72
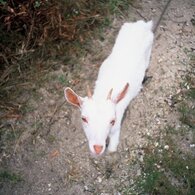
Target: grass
x,y
51,138
8,176
186,107
38,57
168,173
165,171
175,175
62,80
187,115
8,137
28,61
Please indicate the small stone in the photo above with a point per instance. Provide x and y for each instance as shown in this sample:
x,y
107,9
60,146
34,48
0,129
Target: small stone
x,y
141,158
126,149
192,145
157,165
68,122
166,147
138,172
99,179
51,102
95,162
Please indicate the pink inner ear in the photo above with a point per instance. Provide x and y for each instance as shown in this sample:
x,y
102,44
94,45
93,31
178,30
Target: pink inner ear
x,y
72,97
123,93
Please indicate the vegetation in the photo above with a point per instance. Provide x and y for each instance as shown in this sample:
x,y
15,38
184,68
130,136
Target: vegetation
x,y
169,168
7,176
36,36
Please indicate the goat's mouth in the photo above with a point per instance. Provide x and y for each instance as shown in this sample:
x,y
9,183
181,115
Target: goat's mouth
x,y
95,154
98,150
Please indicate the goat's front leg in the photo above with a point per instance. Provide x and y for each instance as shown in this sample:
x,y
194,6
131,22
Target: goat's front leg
x,y
114,140
115,132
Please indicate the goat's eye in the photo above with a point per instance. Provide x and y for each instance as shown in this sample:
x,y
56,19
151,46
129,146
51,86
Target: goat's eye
x,y
112,122
84,119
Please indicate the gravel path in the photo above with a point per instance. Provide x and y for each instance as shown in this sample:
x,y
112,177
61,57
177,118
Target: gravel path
x,y
55,159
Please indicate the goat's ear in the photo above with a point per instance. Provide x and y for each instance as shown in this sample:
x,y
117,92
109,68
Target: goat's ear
x,y
72,97
122,93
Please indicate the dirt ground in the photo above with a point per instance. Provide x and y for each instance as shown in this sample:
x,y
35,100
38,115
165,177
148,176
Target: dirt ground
x,y
52,156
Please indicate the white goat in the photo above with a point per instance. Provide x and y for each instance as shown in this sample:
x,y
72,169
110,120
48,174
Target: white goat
x,y
119,81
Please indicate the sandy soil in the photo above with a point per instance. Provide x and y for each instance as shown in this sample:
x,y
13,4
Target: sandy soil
x,y
52,154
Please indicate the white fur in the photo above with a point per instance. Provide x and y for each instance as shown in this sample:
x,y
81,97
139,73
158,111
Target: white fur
x,y
126,64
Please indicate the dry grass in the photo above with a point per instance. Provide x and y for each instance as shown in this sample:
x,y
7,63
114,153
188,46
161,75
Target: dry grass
x,y
32,32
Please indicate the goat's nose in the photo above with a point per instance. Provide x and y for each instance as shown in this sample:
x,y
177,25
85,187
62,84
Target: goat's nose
x,y
98,148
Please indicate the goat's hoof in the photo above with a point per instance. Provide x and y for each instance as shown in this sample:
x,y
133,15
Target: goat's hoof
x,y
112,150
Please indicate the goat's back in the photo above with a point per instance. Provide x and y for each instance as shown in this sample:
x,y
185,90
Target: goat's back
x,y
127,62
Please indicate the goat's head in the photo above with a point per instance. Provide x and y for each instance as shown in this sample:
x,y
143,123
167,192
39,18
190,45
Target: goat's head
x,y
98,116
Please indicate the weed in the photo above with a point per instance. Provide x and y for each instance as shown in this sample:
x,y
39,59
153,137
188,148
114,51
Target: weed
x,y
8,136
27,109
37,125
2,2
155,182
168,172
191,93
39,153
37,4
186,106
51,138
62,80
6,175
187,114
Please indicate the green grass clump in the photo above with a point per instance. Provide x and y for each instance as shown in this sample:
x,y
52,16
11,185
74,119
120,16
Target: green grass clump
x,y
165,172
187,114
155,182
8,176
187,106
